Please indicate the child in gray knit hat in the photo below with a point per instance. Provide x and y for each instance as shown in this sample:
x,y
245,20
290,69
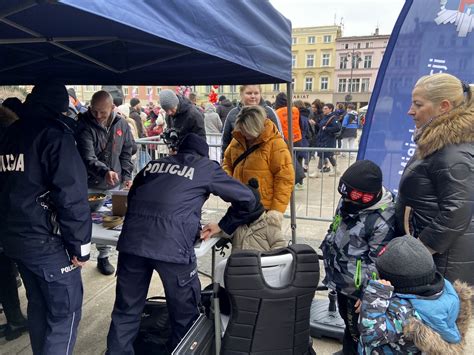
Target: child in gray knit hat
x,y
412,309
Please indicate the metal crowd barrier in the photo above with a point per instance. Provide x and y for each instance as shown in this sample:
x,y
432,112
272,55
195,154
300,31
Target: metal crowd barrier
x,y
316,201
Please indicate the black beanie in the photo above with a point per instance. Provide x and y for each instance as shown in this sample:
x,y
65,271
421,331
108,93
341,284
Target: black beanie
x,y
50,95
281,100
363,175
407,264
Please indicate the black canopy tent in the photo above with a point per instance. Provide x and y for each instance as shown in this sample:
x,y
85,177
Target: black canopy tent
x,y
146,42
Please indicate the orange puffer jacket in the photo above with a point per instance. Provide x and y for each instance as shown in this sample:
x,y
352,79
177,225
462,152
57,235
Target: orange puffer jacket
x,y
270,164
282,113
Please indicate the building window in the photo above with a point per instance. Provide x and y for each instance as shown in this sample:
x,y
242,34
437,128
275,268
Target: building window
x,y
411,59
324,83
294,40
293,83
311,40
354,85
364,85
308,84
327,39
346,45
149,90
208,88
368,62
325,59
293,60
343,62
125,90
158,90
276,87
358,45
90,88
367,44
342,85
355,61
233,89
309,60
135,91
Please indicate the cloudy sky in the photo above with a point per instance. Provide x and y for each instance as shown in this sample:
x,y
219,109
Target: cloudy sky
x,y
360,17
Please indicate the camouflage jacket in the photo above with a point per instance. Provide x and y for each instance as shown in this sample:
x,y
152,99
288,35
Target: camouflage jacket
x,y
381,322
353,243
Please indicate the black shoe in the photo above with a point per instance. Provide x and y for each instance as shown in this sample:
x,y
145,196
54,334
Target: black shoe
x,y
105,267
14,331
326,170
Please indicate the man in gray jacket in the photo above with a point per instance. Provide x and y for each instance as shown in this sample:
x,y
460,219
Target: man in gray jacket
x,y
105,144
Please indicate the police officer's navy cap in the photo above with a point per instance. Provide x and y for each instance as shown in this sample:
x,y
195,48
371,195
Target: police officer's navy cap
x,y
51,95
194,143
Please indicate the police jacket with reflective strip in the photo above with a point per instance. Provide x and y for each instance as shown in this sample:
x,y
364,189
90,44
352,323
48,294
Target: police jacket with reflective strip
x,y
165,201
265,319
42,181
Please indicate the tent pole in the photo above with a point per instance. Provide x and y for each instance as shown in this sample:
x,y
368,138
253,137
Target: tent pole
x,y
289,95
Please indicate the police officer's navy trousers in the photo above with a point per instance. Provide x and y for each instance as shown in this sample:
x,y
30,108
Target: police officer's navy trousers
x,y
54,292
182,290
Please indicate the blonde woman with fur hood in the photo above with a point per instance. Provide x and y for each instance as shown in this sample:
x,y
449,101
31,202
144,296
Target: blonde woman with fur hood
x,y
436,193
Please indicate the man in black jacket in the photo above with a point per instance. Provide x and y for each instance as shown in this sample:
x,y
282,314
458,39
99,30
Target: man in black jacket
x,y
223,108
135,110
45,223
105,144
182,114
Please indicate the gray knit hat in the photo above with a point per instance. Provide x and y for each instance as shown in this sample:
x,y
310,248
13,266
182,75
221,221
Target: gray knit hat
x,y
407,264
168,99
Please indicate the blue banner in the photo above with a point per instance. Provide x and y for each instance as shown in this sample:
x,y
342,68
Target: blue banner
x,y
430,36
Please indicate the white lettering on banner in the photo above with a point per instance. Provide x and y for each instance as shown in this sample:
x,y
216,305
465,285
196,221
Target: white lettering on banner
x,y
68,268
437,64
12,162
168,168
410,151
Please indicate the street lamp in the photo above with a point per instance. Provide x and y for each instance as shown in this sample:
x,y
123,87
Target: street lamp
x,y
355,59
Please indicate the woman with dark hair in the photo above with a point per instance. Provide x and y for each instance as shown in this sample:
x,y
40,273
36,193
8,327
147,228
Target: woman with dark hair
x,y
436,192
326,138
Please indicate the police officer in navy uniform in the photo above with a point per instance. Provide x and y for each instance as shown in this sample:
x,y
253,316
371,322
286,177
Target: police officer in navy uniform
x,y
45,223
159,232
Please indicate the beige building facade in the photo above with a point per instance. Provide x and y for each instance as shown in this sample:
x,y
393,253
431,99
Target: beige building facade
x,y
313,62
358,60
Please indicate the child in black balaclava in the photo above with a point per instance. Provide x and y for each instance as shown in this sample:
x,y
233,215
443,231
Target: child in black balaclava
x,y
364,223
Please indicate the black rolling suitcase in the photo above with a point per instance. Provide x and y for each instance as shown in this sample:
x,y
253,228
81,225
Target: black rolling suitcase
x,y
199,340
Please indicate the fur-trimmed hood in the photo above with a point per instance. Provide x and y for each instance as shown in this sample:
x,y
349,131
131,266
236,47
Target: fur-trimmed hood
x,y
456,127
430,342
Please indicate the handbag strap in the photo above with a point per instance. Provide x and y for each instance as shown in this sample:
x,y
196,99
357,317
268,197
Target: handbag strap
x,y
329,121
245,155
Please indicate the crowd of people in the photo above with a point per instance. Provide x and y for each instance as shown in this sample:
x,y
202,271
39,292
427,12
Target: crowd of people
x,y
400,266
